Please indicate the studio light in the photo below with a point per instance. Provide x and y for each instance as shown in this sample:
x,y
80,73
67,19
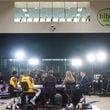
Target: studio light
x,y
20,55
77,62
90,57
33,61
101,56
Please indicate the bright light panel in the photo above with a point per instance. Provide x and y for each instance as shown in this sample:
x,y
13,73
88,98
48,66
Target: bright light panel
x,y
77,62
33,61
101,56
91,57
20,55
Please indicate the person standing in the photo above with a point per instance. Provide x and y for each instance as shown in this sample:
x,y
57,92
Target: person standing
x,y
49,87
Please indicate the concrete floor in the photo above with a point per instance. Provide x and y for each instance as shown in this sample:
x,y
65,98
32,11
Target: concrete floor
x,y
4,103
99,103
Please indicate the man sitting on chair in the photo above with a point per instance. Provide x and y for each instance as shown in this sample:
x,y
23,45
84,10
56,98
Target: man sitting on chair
x,y
84,82
82,88
27,87
13,83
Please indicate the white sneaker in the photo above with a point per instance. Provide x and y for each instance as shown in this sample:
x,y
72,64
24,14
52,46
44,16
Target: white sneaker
x,y
70,106
48,101
82,100
33,102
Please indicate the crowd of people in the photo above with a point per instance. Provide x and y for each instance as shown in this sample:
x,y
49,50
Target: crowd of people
x,y
72,92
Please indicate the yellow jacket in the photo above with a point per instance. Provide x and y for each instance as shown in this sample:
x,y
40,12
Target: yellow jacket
x,y
13,82
28,80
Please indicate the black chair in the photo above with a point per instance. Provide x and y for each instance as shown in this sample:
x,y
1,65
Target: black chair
x,y
87,91
70,89
82,102
49,94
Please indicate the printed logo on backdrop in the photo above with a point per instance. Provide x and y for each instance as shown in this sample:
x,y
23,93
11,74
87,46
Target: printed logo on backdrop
x,y
103,17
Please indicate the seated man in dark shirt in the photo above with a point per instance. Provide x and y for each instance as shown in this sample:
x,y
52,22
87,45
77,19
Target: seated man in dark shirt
x,y
82,88
49,87
84,82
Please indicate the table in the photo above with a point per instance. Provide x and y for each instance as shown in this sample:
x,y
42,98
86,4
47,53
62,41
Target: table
x,y
40,86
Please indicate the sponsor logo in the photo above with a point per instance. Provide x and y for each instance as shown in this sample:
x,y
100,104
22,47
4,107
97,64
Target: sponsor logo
x,y
103,17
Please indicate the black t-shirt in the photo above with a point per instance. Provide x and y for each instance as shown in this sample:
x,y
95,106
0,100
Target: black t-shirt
x,y
50,79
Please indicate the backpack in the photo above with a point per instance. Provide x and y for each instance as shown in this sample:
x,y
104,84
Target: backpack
x,y
24,86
